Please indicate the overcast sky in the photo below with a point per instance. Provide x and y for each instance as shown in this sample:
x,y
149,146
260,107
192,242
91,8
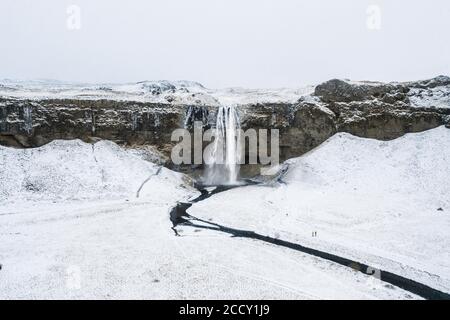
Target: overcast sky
x,y
221,43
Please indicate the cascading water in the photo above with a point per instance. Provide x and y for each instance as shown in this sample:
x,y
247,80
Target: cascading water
x,y
28,118
222,167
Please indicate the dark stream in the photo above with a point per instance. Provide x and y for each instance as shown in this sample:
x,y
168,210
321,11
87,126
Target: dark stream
x,y
179,215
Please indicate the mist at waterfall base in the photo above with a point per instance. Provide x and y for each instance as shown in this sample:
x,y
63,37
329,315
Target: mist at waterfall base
x,y
223,157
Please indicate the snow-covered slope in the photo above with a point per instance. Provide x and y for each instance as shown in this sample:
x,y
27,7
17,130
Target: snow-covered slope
x,y
431,93
71,227
383,203
438,97
74,170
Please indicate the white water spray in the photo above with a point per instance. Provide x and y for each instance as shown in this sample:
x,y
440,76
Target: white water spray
x,y
224,158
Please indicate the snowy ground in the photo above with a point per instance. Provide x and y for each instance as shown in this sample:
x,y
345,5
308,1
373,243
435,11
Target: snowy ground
x,y
71,226
386,204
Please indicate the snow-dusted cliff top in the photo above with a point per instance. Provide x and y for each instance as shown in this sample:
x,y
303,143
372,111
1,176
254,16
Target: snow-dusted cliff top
x,y
434,92
174,92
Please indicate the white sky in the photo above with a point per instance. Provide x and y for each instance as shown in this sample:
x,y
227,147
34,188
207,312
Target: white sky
x,y
220,43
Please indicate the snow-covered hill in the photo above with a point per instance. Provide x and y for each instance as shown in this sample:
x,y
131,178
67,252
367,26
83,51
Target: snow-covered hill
x,y
72,227
385,203
74,170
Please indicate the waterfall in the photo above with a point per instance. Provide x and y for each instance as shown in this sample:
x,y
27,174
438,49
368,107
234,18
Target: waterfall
x,y
28,118
224,157
195,113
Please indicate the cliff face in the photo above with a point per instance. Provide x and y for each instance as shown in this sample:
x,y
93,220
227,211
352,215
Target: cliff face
x,y
370,110
387,111
366,109
27,123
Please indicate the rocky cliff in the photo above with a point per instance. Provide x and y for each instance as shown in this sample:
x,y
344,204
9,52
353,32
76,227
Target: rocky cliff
x,y
34,116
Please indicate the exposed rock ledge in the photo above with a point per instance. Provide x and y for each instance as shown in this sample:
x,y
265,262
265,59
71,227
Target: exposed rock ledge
x,y
366,109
